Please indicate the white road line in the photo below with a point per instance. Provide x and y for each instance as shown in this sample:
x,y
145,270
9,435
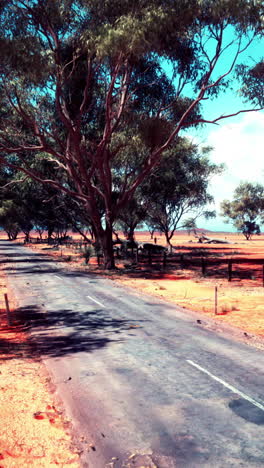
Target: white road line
x,y
58,277
230,387
97,302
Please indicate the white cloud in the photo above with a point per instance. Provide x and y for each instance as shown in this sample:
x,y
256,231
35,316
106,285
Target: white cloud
x,y
240,146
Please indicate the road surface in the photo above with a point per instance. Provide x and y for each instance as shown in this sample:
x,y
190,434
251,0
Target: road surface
x,y
143,383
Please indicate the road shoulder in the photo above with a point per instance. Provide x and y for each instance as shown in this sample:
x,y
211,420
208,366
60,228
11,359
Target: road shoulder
x,y
34,430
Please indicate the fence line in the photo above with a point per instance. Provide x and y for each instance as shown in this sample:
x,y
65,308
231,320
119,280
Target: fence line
x,y
165,261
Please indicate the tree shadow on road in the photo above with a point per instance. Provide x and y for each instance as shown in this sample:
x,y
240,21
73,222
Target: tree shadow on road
x,y
65,331
42,266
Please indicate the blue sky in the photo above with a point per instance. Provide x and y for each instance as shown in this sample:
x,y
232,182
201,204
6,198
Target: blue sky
x,y
238,142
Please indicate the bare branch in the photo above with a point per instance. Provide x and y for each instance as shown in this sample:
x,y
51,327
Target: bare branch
x,y
14,182
39,178
233,114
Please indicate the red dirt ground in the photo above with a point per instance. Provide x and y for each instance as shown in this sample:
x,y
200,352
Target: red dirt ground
x,y
33,431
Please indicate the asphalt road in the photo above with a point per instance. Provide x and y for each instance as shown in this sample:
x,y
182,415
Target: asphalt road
x,y
143,383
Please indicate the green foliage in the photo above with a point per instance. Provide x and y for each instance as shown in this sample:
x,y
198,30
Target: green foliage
x,y
252,83
132,216
10,215
189,224
97,91
246,210
155,132
178,187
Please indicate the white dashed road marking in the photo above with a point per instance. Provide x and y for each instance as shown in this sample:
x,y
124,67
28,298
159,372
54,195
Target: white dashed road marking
x,y
227,385
97,302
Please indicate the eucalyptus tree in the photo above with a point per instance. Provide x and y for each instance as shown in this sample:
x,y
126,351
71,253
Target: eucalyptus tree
x,y
84,82
246,210
178,188
9,214
12,211
132,216
252,79
47,210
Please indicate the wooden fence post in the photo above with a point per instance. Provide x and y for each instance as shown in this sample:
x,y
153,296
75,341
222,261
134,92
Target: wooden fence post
x,y
182,261
229,270
164,260
149,258
203,267
7,310
263,275
215,300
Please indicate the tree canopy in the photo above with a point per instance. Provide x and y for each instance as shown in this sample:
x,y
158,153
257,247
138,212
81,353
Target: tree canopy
x,y
178,187
252,82
100,89
246,210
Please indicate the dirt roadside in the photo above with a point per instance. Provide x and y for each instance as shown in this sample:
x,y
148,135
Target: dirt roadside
x,y
33,430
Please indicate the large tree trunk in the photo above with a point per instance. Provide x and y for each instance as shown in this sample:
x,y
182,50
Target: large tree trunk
x,y
107,248
104,237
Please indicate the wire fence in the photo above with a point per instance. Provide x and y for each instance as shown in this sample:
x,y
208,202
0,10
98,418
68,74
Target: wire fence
x,y
203,262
